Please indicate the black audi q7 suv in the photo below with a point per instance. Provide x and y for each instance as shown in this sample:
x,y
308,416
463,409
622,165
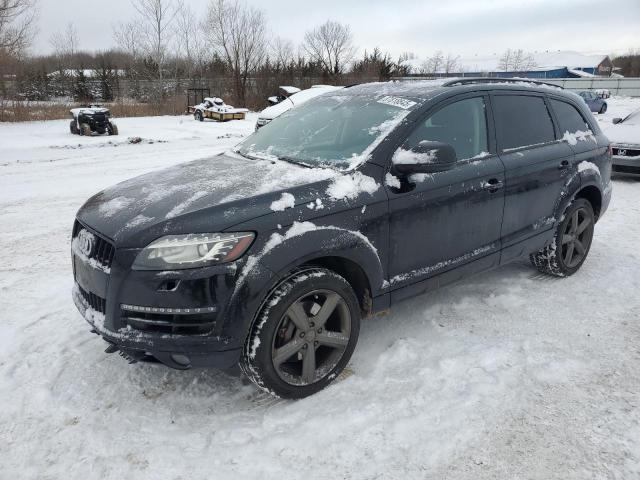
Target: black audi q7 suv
x,y
270,255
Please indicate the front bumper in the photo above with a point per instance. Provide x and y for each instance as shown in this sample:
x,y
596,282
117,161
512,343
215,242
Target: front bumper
x,y
174,317
626,159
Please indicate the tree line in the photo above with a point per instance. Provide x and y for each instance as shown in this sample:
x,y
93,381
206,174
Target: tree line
x,y
166,47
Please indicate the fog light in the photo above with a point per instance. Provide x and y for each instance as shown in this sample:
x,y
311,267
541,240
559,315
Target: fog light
x,y
181,360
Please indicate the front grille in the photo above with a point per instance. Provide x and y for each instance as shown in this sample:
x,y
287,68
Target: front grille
x,y
626,169
103,250
177,324
626,152
95,302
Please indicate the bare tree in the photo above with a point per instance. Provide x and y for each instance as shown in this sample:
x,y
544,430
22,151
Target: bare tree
x,y
434,64
237,33
331,45
505,61
516,60
65,42
17,22
283,52
126,36
156,21
189,45
451,64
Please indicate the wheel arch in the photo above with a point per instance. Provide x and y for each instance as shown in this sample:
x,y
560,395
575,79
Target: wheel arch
x,y
593,195
353,273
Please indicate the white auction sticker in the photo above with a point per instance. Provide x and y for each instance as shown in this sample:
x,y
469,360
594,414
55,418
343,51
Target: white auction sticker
x,y
397,102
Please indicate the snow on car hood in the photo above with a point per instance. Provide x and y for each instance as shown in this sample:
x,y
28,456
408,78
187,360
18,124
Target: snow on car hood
x,y
623,133
215,193
294,100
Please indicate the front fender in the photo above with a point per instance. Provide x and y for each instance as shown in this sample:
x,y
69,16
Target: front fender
x,y
281,253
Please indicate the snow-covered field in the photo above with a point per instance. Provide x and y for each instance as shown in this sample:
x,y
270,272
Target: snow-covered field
x,y
506,375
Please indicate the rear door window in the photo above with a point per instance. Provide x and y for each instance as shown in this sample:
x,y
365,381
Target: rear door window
x,y
569,118
522,121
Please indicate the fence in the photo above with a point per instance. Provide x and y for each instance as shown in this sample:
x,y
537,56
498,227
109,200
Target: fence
x,y
628,87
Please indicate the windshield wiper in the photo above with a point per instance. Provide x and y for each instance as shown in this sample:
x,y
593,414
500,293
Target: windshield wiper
x,y
249,157
295,162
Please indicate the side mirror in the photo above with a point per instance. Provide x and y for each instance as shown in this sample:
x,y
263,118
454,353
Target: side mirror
x,y
616,121
426,157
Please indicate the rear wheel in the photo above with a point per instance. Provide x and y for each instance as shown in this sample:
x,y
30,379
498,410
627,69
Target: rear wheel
x,y
112,128
304,336
198,116
571,243
85,129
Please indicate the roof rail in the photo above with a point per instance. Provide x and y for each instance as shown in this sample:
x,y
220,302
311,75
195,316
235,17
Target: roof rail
x,y
470,80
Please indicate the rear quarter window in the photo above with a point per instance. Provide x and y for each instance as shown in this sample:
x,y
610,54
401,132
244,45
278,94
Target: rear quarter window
x,y
569,118
522,121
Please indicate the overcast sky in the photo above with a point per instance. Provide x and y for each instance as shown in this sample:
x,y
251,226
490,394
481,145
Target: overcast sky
x,y
460,27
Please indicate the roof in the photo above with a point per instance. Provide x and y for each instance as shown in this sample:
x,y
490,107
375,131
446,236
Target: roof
x,y
543,61
423,90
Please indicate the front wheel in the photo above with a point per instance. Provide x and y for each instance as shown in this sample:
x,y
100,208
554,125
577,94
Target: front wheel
x,y
304,336
198,116
571,243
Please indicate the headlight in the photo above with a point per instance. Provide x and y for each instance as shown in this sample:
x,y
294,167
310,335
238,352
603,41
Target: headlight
x,y
193,250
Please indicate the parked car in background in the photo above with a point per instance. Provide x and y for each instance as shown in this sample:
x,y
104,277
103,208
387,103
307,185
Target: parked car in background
x,y
291,101
284,92
595,103
270,254
625,142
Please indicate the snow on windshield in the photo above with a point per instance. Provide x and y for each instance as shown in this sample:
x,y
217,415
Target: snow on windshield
x,y
338,131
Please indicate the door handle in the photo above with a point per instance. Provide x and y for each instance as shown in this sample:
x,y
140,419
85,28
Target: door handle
x,y
493,185
563,164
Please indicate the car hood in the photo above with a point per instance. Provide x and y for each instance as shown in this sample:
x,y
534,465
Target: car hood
x,y
624,134
206,195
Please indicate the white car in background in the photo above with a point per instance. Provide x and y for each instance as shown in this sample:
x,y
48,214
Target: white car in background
x,y
625,143
291,101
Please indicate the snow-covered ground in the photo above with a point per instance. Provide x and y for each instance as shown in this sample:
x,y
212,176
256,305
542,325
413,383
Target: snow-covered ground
x,y
507,375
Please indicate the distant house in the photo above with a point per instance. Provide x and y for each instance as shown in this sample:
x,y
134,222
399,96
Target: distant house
x,y
545,65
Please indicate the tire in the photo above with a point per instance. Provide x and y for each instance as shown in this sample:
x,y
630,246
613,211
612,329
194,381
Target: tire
x,y
292,325
73,128
571,242
85,129
603,108
112,129
198,116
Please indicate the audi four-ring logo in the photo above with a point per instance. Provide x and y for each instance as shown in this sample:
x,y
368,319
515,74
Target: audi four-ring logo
x,y
85,242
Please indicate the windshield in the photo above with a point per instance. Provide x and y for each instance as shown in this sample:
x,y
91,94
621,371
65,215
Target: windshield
x,y
337,131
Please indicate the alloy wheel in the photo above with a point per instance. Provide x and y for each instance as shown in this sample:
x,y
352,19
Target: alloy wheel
x,y
576,238
311,337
